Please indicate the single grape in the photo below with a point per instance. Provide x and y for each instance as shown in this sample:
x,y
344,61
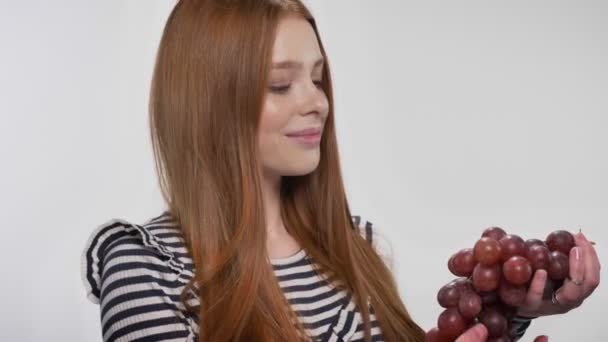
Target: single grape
x,y
487,251
451,264
486,278
535,242
495,233
504,309
489,298
509,312
462,284
434,335
539,257
469,305
451,323
463,263
559,266
512,245
448,296
561,241
517,270
512,295
495,322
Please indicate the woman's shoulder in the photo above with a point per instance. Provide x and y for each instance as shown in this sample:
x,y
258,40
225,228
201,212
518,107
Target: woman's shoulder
x,y
118,246
137,273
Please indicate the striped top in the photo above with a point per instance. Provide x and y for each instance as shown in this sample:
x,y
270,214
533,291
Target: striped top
x,y
137,272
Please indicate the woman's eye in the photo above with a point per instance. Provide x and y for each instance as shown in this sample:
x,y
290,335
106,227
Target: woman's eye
x,y
280,90
284,89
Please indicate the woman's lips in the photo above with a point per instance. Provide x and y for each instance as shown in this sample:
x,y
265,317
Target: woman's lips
x,y
308,131
307,139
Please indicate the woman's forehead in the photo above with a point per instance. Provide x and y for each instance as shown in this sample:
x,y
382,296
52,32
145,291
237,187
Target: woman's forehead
x,y
295,44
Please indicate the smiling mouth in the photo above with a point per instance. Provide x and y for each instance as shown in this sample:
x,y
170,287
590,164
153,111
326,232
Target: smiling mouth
x,y
308,139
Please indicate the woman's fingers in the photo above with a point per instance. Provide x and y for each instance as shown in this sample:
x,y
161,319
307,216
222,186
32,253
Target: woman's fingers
x,y
534,297
571,293
542,338
592,264
477,333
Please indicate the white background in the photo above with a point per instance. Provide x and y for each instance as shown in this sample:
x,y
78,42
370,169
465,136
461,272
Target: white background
x,y
452,116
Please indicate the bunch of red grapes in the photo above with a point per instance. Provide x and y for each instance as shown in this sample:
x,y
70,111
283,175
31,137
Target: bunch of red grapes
x,y
494,277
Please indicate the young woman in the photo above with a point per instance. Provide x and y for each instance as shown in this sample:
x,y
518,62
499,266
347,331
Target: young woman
x,y
258,242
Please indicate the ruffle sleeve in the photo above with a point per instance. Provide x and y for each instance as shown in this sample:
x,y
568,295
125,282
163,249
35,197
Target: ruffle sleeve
x,y
376,239
136,275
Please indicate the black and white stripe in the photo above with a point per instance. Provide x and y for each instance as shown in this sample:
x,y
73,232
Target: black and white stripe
x,y
137,272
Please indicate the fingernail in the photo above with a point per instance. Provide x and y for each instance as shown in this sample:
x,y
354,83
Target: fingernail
x,y
577,253
579,235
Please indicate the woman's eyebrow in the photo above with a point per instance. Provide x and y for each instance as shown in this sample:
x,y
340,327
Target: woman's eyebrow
x,y
290,64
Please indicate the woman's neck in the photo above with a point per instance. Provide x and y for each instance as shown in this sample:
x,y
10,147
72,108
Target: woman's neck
x,y
279,242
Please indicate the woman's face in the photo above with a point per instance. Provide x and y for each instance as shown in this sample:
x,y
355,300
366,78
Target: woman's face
x,y
294,101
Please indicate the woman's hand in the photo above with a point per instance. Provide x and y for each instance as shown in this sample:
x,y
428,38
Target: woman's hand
x,y
479,333
583,280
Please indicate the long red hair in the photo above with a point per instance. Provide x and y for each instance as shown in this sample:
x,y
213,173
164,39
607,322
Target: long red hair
x,y
206,97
